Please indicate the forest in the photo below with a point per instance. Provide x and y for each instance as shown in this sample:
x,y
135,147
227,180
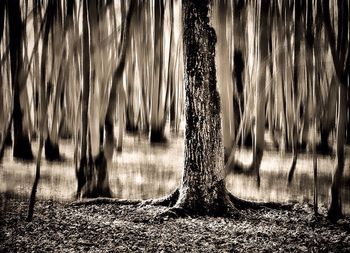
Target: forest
x,y
180,125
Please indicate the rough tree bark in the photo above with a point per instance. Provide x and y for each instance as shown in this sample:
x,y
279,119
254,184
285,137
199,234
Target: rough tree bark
x,y
203,190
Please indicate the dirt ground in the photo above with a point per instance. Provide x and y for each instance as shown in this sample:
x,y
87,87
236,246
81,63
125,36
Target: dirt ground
x,y
61,227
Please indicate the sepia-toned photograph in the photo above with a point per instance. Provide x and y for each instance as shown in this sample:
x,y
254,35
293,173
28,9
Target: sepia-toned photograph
x,y
174,126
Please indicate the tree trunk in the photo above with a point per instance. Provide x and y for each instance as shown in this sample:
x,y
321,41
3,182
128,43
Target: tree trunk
x,y
82,170
21,146
93,172
121,118
239,36
295,125
341,66
328,120
260,90
52,151
348,108
335,208
157,129
203,189
224,78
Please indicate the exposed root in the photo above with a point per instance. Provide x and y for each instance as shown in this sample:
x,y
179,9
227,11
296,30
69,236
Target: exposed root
x,y
172,213
244,204
100,201
168,201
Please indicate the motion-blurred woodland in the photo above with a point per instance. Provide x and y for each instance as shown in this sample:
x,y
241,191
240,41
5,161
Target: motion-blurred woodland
x,y
92,72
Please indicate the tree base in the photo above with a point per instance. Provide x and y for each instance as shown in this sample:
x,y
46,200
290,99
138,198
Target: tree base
x,y
131,129
52,151
157,136
178,207
8,139
119,149
334,213
292,169
96,179
324,149
229,207
65,132
22,149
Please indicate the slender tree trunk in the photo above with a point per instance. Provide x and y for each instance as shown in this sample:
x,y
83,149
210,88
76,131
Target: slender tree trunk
x,y
2,19
348,108
21,146
42,134
328,120
52,152
341,65
239,36
82,170
121,118
116,82
157,130
297,38
260,90
36,78
224,78
335,208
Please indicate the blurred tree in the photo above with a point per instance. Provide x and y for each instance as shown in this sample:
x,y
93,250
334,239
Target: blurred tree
x,y
21,146
339,45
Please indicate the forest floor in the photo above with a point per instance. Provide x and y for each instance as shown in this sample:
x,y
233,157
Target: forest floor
x,y
61,227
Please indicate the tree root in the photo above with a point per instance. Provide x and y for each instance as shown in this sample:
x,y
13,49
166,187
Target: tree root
x,y
171,213
175,210
244,204
168,201
101,201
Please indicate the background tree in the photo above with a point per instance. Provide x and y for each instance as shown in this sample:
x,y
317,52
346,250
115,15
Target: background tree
x,y
21,146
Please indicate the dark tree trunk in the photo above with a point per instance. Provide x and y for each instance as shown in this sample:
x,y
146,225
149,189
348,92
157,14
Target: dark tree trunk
x,y
239,22
297,38
2,18
157,128
83,166
21,146
341,65
348,107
